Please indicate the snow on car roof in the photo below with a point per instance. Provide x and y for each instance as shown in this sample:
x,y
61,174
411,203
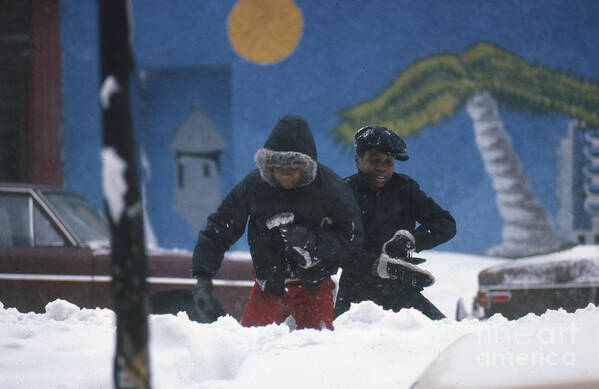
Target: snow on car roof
x,y
578,265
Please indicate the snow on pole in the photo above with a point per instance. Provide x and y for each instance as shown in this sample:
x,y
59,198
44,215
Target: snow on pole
x,y
113,183
110,86
122,198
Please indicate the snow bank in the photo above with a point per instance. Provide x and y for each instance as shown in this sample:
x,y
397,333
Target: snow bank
x,y
554,350
68,347
456,278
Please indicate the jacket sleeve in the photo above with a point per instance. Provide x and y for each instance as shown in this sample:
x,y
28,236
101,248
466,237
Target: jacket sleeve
x,y
436,224
341,244
223,228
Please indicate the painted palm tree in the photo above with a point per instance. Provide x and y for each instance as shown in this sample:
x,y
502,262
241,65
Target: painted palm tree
x,y
484,76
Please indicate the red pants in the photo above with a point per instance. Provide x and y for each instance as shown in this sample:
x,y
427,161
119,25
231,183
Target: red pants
x,y
310,309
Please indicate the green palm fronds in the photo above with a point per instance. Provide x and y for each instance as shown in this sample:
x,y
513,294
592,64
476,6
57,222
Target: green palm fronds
x,y
425,93
434,88
532,89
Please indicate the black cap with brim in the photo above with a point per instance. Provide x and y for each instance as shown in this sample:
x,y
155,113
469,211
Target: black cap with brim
x,y
380,139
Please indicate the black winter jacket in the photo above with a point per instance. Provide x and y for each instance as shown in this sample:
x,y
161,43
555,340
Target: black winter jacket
x,y
323,203
400,204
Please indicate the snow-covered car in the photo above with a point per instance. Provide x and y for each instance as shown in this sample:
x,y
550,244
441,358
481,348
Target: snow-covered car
x,y
55,245
567,279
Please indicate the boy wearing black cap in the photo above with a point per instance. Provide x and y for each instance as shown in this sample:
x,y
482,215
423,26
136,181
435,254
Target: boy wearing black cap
x,y
399,218
303,220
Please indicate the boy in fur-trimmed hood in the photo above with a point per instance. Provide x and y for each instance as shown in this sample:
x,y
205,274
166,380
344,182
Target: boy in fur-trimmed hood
x,y
303,220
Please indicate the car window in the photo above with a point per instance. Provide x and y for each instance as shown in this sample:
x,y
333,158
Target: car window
x,y
85,221
44,232
15,226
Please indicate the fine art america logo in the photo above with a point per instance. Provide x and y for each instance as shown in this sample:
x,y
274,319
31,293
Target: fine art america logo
x,y
543,346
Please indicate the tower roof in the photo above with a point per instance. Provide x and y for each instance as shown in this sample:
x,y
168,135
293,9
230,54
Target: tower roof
x,y
197,134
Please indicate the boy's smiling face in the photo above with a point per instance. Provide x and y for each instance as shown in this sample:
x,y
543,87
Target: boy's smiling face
x,y
379,166
287,177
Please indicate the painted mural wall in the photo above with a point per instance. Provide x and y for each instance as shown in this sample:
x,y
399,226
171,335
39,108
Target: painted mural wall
x,y
453,78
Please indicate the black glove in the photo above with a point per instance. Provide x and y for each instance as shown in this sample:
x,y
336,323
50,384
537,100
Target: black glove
x,y
410,276
410,280
207,307
201,291
401,245
300,245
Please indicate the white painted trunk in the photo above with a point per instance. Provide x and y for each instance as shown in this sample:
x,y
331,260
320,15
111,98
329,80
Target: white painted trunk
x,y
527,226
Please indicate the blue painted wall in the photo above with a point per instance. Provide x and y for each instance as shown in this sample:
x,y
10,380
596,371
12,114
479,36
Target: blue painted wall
x,y
349,52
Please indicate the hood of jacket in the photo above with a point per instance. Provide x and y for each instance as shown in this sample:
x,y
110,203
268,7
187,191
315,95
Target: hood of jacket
x,y
290,144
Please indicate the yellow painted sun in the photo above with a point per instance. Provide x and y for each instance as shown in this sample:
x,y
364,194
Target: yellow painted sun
x,y
264,31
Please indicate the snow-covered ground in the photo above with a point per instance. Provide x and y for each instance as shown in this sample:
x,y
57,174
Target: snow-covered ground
x,y
68,347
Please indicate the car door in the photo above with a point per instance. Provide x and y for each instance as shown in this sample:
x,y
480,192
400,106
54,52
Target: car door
x,y
39,262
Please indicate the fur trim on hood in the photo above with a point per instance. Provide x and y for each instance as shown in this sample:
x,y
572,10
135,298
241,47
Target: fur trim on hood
x,y
290,144
267,159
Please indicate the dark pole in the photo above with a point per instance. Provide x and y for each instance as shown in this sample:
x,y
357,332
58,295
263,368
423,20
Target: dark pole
x,y
122,198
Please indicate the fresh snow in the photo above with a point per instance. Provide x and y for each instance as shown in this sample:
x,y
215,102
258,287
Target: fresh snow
x,y
110,86
280,219
577,265
113,182
68,347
